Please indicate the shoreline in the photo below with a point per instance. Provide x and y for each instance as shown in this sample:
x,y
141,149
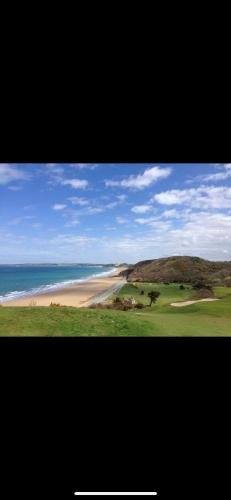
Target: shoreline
x,y
75,295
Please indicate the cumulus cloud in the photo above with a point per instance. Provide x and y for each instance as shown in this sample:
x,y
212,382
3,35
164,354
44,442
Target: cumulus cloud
x,y
223,174
58,206
141,181
219,176
54,170
89,166
9,173
141,209
94,210
121,197
57,176
121,220
201,197
205,234
75,183
112,205
75,200
147,220
19,220
72,223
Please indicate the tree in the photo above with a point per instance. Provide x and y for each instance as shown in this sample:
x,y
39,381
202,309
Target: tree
x,y
153,295
201,284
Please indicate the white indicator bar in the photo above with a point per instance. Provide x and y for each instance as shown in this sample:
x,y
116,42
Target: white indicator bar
x,y
115,493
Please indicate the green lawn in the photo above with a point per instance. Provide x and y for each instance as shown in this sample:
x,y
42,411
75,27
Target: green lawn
x,y
201,319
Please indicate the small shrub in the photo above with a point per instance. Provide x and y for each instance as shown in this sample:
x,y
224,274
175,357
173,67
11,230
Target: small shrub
x,y
201,285
181,287
166,283
130,301
139,305
126,307
54,304
204,293
142,292
116,300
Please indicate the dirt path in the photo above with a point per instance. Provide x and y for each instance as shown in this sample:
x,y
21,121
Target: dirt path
x,y
189,302
103,296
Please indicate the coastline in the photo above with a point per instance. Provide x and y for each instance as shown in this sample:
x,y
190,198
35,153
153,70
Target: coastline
x,y
81,294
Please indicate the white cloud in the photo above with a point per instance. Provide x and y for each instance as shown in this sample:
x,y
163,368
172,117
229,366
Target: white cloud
x,y
141,181
94,210
58,206
75,183
57,175
110,183
170,213
89,166
205,234
201,197
223,174
53,169
147,220
121,197
72,223
9,173
18,220
112,205
121,220
141,209
220,176
78,201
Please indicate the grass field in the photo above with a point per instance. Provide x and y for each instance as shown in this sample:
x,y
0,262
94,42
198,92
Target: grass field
x,y
161,319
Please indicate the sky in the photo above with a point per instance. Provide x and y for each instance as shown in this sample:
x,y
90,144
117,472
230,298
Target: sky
x,y
113,213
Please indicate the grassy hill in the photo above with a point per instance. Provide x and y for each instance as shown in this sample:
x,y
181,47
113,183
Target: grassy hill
x,y
180,269
201,319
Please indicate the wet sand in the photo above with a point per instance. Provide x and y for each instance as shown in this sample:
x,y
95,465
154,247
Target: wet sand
x,y
77,295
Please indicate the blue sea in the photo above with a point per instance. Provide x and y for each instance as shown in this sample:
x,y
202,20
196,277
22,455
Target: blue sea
x,y
17,281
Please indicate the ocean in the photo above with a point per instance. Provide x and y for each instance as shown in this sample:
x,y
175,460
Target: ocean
x,y
17,281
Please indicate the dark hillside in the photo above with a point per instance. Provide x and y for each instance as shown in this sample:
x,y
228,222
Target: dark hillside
x,y
180,269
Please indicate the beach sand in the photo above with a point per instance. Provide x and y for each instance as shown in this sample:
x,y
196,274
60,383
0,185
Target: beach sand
x,y
77,295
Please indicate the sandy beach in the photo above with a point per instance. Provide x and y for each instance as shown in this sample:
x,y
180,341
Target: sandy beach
x,y
77,295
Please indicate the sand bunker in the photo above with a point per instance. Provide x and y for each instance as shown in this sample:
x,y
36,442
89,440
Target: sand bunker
x,y
189,302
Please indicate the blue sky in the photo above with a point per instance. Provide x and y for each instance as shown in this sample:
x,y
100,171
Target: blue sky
x,y
103,213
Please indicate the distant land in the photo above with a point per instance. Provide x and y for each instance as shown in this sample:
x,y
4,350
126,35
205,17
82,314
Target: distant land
x,y
179,269
49,264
